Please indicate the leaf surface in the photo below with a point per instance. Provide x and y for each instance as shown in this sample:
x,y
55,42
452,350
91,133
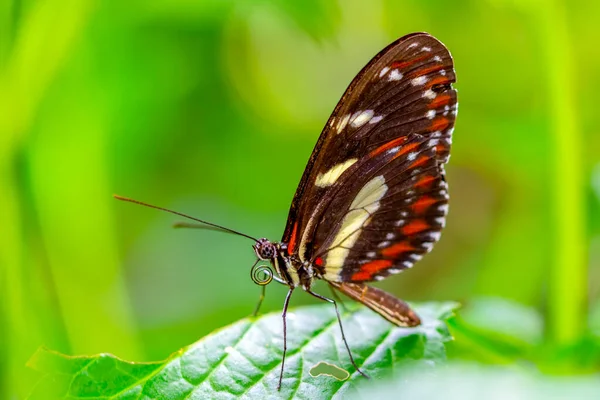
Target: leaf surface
x,y
243,359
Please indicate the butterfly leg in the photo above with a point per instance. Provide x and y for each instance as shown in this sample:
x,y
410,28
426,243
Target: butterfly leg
x,y
283,315
338,298
337,312
260,300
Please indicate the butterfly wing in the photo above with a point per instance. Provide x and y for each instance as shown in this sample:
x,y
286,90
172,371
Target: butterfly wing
x,y
392,128
388,306
386,214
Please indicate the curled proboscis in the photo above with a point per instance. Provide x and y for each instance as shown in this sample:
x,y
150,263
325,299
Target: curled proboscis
x,y
261,274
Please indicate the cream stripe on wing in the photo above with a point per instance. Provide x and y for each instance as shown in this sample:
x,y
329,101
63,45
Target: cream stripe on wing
x,y
364,205
328,178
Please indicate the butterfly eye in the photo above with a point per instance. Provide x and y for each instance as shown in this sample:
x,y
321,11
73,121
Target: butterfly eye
x,y
264,249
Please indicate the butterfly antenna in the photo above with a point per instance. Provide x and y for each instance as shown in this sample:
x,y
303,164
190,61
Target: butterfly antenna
x,y
194,225
209,224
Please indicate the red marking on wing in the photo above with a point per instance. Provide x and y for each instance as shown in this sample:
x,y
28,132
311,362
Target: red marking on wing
x,y
422,204
398,248
406,149
388,145
424,181
440,80
439,124
441,100
370,268
419,161
319,261
404,64
361,276
376,265
425,71
416,226
292,243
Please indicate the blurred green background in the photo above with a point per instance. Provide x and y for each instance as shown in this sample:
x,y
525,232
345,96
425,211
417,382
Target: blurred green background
x,y
195,104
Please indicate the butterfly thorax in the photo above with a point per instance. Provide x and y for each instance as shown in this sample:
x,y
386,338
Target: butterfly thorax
x,y
290,269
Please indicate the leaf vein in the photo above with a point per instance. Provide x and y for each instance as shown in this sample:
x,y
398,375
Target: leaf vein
x,y
375,349
221,361
292,353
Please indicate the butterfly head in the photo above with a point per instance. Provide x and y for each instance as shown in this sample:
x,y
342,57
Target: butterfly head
x,y
265,249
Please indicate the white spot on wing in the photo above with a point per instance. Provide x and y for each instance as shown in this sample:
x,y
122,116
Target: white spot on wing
x,y
437,59
328,178
415,257
435,236
411,156
430,114
384,71
376,119
390,236
412,45
361,117
418,81
342,123
395,75
425,48
429,94
383,244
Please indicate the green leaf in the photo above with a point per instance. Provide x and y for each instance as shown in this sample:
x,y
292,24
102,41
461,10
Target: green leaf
x,y
243,359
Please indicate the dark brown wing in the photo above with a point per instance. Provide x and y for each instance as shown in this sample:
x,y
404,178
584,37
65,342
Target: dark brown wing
x,y
402,103
386,213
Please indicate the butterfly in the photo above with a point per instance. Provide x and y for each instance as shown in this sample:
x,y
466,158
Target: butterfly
x,y
373,198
